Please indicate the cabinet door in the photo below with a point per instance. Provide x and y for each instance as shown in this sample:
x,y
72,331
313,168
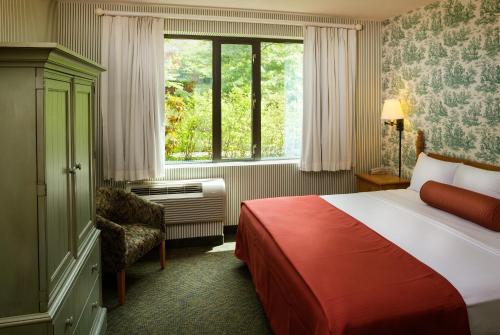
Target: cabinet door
x,y
58,202
83,161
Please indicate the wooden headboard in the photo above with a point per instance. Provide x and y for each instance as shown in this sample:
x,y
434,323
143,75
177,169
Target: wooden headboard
x,y
420,146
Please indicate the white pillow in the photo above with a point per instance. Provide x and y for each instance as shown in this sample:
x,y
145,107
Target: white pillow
x,y
478,180
428,168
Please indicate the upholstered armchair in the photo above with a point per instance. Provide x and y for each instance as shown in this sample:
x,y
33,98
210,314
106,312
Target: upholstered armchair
x,y
130,228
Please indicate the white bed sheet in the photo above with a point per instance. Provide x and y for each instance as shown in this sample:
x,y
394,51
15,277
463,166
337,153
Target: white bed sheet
x,y
466,254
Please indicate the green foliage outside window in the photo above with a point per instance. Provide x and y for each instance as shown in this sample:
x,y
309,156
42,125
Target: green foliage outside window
x,y
188,100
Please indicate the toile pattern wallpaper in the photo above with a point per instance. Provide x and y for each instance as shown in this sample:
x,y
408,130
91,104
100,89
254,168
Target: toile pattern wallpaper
x,y
443,62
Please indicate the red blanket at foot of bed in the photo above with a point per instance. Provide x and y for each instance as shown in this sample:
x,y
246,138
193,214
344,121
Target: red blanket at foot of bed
x,y
317,270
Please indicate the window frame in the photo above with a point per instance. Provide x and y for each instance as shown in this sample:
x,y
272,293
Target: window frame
x,y
217,42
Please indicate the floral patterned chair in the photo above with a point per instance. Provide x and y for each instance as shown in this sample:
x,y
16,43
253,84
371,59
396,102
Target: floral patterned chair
x,y
130,228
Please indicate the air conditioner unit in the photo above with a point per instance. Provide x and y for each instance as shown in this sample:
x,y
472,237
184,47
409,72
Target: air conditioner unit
x,y
186,201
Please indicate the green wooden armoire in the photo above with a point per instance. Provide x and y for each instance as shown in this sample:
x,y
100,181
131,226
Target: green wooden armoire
x,y
49,248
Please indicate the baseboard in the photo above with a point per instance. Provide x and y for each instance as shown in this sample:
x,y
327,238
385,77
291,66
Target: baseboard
x,y
195,242
230,229
100,323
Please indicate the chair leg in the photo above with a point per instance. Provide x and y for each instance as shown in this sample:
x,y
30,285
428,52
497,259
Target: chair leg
x,y
162,254
120,277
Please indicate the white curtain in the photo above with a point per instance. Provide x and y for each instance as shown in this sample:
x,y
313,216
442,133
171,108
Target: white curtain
x,y
329,97
132,97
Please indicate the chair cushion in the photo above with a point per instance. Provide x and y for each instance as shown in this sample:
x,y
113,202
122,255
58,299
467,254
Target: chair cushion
x,y
105,203
140,239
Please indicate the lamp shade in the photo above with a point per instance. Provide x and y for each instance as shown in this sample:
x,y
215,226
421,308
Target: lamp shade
x,y
392,110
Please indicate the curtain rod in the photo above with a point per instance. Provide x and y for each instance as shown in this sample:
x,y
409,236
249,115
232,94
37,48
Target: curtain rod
x,y
100,11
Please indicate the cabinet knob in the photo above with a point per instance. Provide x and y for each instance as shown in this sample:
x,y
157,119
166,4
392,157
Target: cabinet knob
x,y
77,166
69,321
95,267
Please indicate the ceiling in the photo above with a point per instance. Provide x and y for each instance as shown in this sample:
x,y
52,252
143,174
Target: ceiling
x,y
366,9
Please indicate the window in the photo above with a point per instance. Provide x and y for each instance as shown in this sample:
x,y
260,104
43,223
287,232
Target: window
x,y
188,100
232,99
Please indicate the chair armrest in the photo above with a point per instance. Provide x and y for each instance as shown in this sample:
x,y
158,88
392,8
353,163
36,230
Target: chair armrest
x,y
113,246
136,209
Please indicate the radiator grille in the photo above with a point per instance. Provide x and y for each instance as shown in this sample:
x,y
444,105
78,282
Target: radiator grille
x,y
199,229
193,209
166,190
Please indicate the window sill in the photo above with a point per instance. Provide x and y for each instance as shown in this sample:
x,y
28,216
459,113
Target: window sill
x,y
233,163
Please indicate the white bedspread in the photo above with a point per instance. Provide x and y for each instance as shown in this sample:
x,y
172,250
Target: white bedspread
x,y
466,254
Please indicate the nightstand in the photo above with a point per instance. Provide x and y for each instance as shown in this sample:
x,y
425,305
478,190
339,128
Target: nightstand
x,y
373,182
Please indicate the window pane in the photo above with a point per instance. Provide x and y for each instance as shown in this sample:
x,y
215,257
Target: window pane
x,y
281,99
236,101
188,100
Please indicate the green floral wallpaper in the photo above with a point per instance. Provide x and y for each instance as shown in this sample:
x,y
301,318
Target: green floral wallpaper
x,y
443,62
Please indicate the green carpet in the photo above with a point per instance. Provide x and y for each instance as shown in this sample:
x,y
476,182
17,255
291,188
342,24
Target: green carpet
x,y
200,291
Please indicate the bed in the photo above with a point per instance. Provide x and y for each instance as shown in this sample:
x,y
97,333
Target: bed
x,y
371,263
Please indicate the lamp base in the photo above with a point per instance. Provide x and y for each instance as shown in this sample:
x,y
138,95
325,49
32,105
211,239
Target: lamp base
x,y
400,126
399,162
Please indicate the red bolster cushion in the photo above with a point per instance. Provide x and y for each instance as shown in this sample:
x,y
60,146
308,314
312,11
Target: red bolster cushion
x,y
475,207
